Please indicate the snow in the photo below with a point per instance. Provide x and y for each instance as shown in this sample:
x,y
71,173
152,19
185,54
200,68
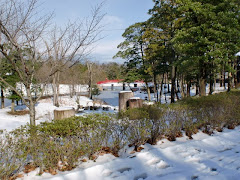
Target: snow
x,y
63,108
238,54
63,89
135,98
45,109
125,91
44,112
204,157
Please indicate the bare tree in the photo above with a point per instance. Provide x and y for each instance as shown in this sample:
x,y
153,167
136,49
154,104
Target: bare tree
x,y
23,43
72,43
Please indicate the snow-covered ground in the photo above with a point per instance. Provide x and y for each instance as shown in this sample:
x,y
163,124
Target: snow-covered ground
x,y
111,97
44,111
204,157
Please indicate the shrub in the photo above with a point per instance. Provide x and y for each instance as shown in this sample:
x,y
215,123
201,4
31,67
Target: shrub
x,y
137,121
11,156
157,123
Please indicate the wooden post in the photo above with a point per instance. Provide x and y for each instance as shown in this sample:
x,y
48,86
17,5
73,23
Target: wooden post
x,y
134,102
63,112
124,96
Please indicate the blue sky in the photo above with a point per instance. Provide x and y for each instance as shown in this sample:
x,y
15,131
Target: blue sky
x,y
119,15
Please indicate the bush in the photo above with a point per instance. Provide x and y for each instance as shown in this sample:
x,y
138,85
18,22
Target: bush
x,y
157,123
11,155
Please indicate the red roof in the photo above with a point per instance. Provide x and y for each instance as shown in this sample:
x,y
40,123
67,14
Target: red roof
x,y
137,81
110,81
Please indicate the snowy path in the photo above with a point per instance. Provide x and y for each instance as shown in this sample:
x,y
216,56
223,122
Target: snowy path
x,y
204,157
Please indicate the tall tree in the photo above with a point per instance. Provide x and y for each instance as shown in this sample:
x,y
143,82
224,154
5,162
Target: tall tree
x,y
165,17
133,50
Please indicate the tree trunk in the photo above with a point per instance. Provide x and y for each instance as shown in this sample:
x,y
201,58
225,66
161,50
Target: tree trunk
x,y
173,87
202,78
238,69
2,98
155,84
230,79
90,90
55,86
148,92
32,113
211,84
221,79
176,92
197,87
31,106
224,79
182,87
188,88
89,66
12,106
235,74
202,86
168,87
211,79
178,86
54,91
72,90
58,90
161,89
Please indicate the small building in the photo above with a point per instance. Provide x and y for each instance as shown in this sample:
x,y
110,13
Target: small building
x,y
110,84
118,84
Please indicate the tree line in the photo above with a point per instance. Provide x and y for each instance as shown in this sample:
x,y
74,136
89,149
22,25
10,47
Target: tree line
x,y
186,41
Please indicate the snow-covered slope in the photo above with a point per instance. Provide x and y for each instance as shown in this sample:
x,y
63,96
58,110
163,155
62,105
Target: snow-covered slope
x,y
204,157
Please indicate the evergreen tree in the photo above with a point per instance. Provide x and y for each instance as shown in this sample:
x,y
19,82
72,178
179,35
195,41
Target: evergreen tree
x,y
165,18
208,36
133,50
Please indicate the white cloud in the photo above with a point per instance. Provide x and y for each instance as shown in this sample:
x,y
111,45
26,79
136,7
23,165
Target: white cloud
x,y
113,20
106,47
105,50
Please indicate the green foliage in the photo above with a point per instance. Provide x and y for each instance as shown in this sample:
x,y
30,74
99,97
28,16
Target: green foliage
x,y
14,96
113,70
134,114
132,49
95,90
